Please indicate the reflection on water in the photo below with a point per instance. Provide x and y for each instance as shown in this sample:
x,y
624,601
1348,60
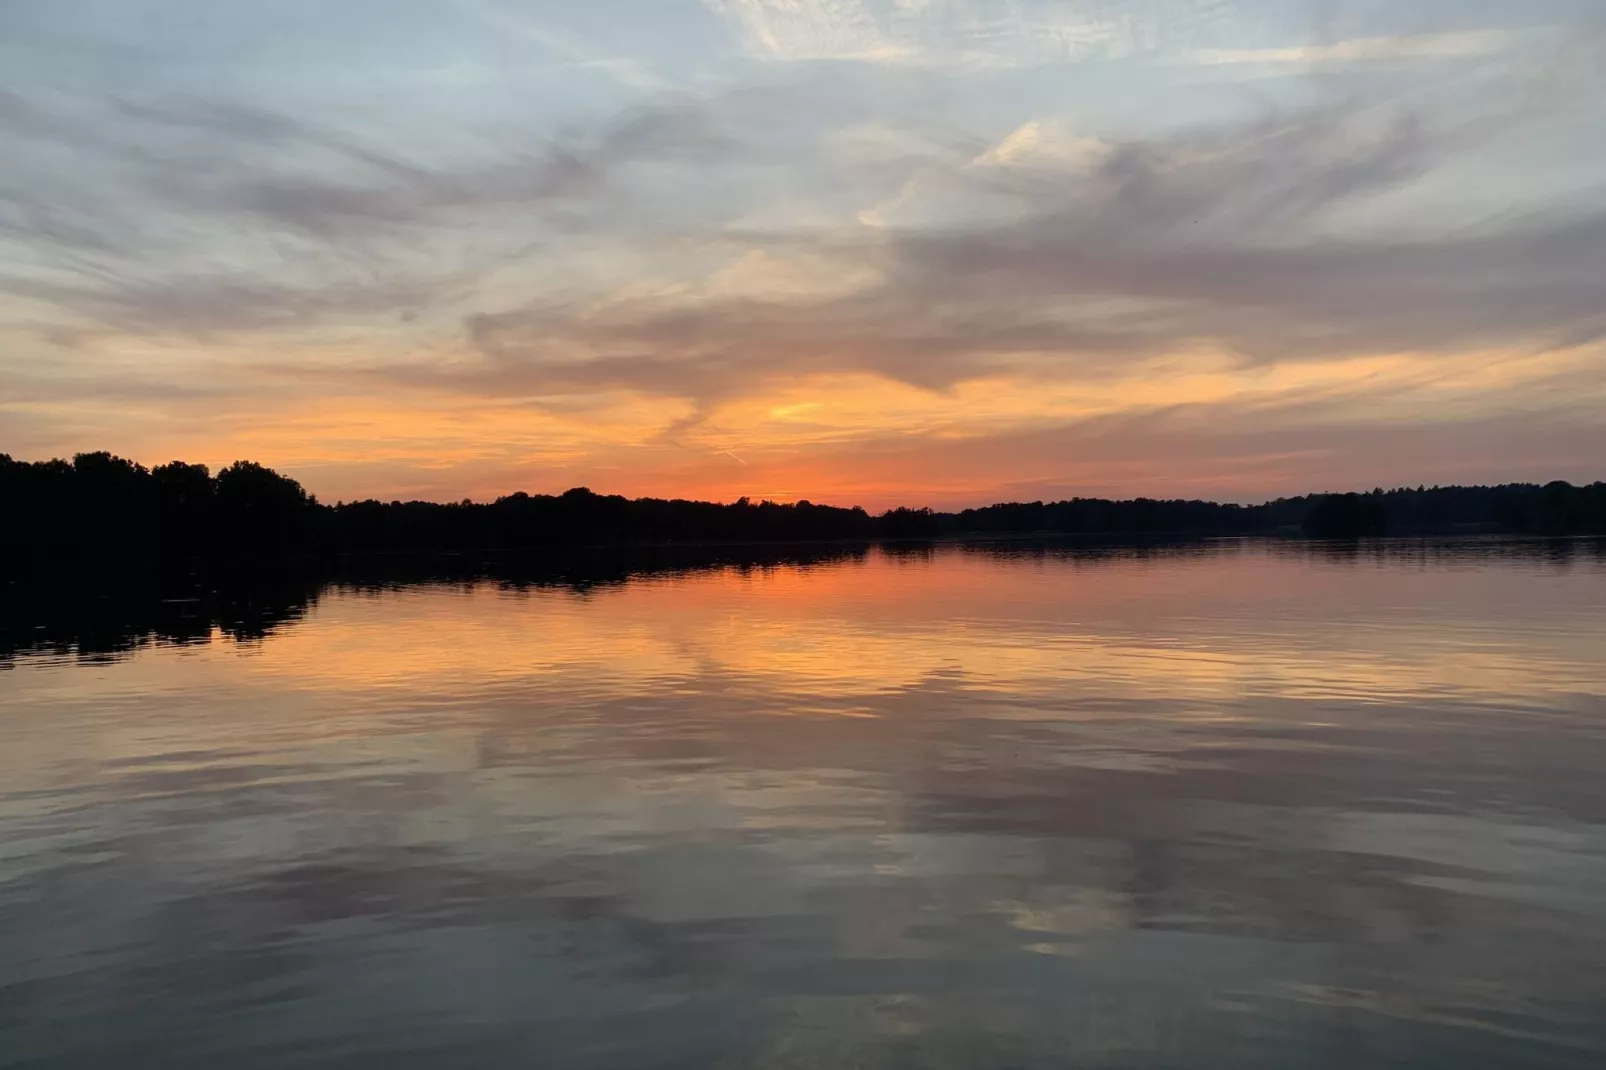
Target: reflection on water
x,y
1235,804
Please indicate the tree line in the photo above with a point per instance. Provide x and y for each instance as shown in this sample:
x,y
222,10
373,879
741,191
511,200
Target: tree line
x,y
101,504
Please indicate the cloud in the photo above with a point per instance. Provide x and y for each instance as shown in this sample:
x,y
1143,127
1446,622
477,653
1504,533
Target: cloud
x,y
811,29
1085,263
196,216
626,70
1045,143
982,36
1457,45
971,34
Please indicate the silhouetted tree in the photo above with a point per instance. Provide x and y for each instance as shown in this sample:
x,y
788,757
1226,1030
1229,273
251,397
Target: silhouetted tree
x,y
1347,516
259,509
905,523
183,486
99,506
184,496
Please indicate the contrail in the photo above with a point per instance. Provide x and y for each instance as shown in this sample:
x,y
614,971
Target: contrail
x,y
733,456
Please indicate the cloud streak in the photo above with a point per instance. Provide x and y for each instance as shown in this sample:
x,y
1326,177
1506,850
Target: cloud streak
x,y
1460,45
1209,239
214,217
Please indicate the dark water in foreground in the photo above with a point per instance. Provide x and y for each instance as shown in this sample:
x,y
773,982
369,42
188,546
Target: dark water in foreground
x,y
1236,805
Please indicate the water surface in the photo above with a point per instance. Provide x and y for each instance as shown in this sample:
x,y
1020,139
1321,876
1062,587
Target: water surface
x,y
1236,804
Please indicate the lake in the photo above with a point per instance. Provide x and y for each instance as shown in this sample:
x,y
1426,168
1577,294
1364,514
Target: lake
x,y
1223,805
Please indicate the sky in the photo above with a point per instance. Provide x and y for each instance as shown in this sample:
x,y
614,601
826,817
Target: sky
x,y
875,252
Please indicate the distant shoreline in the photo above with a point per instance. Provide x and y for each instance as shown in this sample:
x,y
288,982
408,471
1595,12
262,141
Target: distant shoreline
x,y
98,507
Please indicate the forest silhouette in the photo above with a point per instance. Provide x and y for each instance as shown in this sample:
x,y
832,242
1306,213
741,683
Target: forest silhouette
x,y
100,506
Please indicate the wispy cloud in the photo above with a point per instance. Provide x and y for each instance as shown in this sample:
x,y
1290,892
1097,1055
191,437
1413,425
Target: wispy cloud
x,y
191,216
1368,49
628,70
963,33
1152,247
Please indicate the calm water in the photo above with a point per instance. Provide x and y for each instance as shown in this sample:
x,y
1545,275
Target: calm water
x,y
1234,805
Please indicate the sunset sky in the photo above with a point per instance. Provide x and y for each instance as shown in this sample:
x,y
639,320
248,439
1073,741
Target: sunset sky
x,y
927,252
